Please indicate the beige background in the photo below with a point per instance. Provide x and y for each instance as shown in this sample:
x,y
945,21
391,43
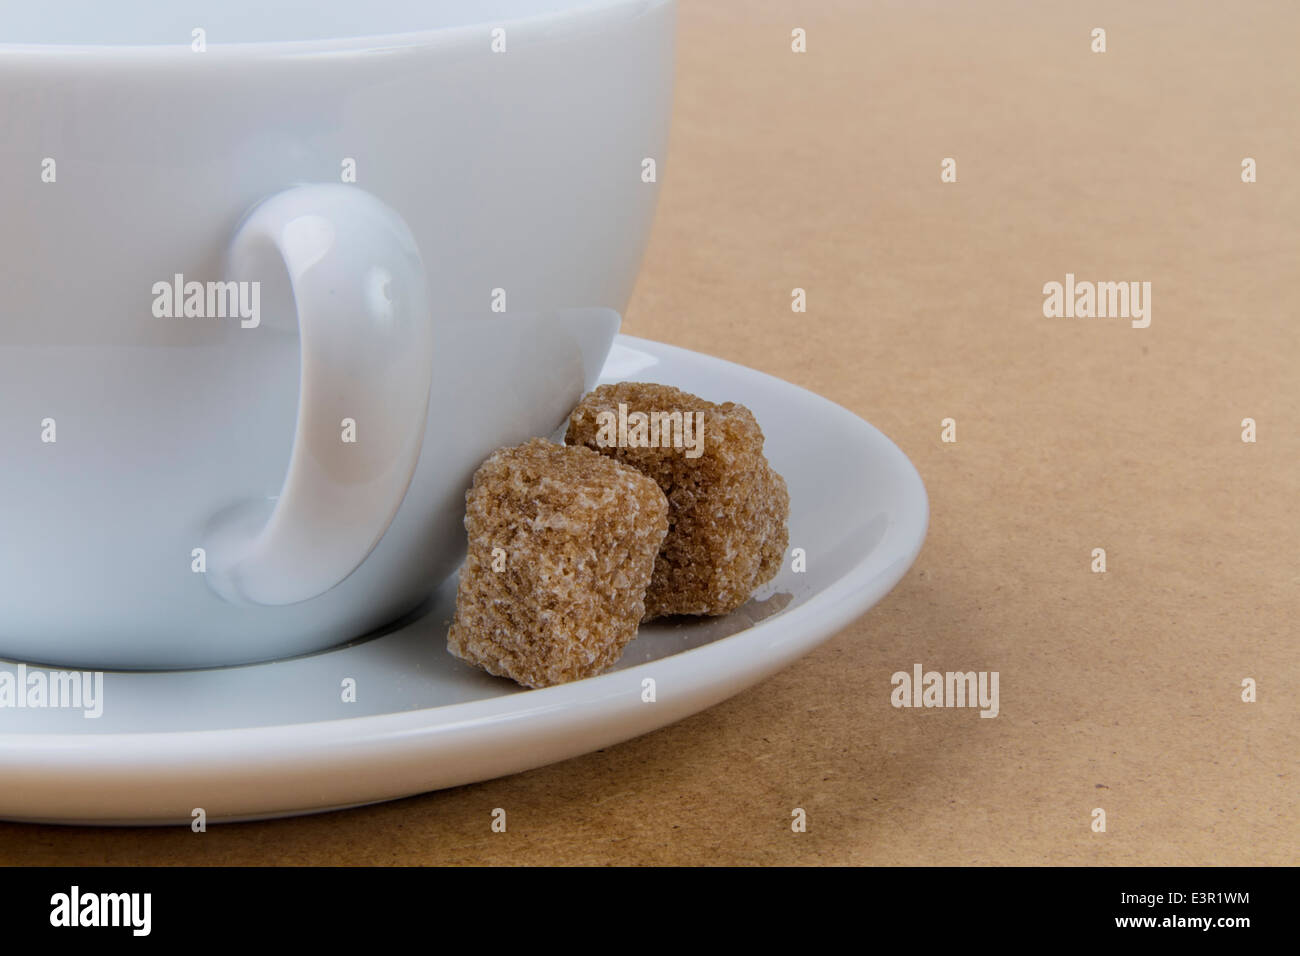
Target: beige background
x,y
1119,691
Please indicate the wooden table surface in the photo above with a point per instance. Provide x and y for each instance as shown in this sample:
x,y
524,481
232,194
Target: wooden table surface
x,y
1120,691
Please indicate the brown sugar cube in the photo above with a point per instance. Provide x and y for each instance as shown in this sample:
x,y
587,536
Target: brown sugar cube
x,y
728,509
562,544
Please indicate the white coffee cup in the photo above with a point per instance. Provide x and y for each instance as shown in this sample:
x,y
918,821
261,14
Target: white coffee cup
x,y
407,235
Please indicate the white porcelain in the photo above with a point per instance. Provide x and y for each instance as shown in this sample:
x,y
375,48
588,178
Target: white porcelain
x,y
278,739
365,334
200,504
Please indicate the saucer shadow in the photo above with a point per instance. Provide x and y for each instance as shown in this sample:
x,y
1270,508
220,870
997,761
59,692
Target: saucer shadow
x,y
667,636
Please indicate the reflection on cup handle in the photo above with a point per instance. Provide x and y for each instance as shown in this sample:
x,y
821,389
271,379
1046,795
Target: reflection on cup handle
x,y
349,267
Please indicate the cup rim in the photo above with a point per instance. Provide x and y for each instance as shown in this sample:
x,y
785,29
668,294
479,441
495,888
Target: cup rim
x,y
583,12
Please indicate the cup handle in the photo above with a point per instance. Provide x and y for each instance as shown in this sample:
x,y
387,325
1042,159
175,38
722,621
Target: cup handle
x,y
366,340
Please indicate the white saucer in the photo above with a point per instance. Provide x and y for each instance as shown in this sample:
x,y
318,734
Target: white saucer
x,y
277,739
